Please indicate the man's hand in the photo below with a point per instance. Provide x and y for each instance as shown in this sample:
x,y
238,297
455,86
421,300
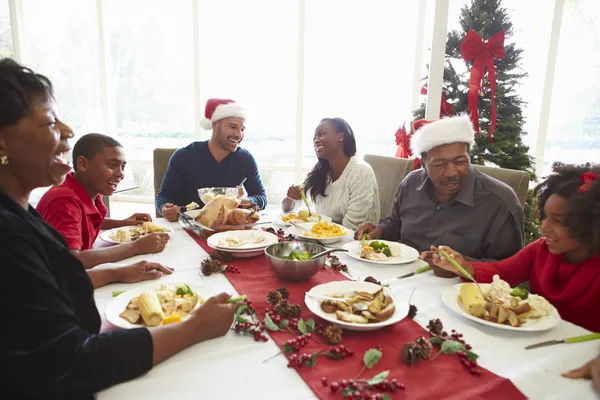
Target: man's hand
x,y
214,317
142,271
137,219
591,370
372,231
152,243
169,212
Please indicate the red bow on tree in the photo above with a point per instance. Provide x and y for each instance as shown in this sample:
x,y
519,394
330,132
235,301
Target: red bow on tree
x,y
403,142
445,108
474,48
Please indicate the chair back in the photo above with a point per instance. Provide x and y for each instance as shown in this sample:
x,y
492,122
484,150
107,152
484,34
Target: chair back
x,y
161,159
517,180
389,172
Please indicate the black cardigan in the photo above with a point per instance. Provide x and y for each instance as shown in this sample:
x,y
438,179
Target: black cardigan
x,y
50,345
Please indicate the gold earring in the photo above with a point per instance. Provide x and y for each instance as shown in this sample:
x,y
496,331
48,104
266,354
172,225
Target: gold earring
x,y
3,160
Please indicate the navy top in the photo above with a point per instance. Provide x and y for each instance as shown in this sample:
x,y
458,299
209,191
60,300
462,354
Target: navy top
x,y
193,167
52,347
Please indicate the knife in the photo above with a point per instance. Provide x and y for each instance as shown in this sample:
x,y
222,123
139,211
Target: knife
x,y
575,339
415,272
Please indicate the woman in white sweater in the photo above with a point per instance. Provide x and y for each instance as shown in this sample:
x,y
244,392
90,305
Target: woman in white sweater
x,y
341,186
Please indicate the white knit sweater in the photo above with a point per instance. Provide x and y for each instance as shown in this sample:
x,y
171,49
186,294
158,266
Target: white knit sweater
x,y
353,198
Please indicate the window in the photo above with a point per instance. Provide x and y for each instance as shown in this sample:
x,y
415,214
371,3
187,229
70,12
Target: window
x,y
357,67
6,41
150,79
574,126
60,40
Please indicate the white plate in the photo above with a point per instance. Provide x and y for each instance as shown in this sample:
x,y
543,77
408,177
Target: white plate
x,y
407,253
249,236
308,226
118,304
282,222
451,296
106,234
242,253
349,287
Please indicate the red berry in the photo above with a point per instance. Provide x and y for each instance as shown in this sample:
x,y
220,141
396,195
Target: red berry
x,y
401,386
468,346
324,381
334,387
444,333
344,383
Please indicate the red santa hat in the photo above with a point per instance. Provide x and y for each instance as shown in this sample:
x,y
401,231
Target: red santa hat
x,y
217,109
429,134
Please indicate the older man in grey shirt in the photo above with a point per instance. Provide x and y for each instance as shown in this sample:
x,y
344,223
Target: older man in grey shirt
x,y
450,203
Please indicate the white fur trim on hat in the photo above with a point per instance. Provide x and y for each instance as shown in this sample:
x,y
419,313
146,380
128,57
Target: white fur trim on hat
x,y
223,111
444,131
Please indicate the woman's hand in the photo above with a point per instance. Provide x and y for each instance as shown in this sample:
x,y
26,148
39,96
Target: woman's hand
x,y
142,271
294,193
439,261
214,317
427,256
591,370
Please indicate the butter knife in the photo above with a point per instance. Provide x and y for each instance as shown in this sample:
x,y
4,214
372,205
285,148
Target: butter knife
x,y
575,339
415,272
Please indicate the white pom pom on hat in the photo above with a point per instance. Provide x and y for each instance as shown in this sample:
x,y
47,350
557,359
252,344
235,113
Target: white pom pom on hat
x,y
429,134
217,109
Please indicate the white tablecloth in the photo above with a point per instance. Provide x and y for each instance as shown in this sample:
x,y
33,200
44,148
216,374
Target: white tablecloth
x,y
232,367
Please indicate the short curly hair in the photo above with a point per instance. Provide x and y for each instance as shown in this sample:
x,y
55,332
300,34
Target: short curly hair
x,y
583,215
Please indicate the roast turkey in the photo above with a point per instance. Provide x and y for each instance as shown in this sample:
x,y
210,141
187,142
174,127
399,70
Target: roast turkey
x,y
226,211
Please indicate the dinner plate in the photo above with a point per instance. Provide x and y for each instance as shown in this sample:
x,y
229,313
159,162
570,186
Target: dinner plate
x,y
217,240
451,296
348,288
299,221
105,235
118,304
407,253
242,253
308,226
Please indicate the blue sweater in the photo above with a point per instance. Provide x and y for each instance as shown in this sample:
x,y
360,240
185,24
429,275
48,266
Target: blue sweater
x,y
193,167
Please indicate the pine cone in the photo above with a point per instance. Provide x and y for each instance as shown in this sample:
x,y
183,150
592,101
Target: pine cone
x,y
333,334
287,310
409,354
222,256
210,266
412,311
372,280
274,297
425,347
435,326
284,292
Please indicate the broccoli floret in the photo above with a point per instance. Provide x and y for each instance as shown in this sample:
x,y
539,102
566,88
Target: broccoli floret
x,y
387,251
305,255
377,245
520,292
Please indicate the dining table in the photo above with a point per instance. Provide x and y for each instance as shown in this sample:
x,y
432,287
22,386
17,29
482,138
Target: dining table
x,y
236,367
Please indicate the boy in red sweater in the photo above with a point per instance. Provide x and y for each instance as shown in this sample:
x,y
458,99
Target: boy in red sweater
x,y
564,265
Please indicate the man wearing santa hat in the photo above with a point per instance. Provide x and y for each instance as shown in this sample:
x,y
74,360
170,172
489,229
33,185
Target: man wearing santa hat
x,y
218,162
447,202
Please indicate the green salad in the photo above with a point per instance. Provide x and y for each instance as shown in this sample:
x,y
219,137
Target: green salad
x,y
381,247
294,255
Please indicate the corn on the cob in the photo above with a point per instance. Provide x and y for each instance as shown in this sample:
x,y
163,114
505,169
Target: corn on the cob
x,y
150,308
472,299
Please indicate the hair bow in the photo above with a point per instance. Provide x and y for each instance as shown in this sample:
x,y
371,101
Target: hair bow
x,y
587,178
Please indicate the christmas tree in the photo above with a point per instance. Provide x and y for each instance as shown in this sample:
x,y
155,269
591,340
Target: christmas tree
x,y
506,149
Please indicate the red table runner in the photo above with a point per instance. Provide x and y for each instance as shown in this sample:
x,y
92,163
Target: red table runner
x,y
443,378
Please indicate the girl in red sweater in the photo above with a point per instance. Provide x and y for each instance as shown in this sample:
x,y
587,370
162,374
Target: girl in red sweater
x,y
564,265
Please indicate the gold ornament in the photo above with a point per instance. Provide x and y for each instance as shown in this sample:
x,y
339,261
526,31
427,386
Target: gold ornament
x,y
3,160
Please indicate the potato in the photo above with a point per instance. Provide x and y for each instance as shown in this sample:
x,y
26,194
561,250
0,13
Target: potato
x,y
343,306
365,296
502,315
379,295
348,317
328,306
386,313
375,306
132,316
492,309
472,299
303,214
522,309
387,300
369,316
512,318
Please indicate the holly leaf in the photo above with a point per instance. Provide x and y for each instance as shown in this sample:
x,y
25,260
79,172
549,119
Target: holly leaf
x,y
371,357
435,340
288,349
269,324
302,326
348,391
241,309
452,347
386,397
283,324
471,356
313,361
311,324
240,319
380,377
333,356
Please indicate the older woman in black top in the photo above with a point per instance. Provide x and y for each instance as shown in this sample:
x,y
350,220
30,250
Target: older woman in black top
x,y
50,343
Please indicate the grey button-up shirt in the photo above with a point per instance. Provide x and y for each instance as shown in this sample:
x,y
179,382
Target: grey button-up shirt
x,y
484,221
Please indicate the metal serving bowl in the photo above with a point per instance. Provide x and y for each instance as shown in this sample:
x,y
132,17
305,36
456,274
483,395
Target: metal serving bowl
x,y
294,270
